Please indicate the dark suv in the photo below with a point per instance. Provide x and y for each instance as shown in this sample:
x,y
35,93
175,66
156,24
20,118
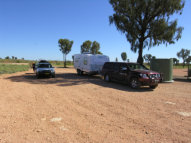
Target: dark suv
x,y
134,74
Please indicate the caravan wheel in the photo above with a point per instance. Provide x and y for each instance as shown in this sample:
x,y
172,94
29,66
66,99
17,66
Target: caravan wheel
x,y
79,72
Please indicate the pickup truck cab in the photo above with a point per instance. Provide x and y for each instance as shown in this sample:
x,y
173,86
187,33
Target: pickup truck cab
x,y
134,74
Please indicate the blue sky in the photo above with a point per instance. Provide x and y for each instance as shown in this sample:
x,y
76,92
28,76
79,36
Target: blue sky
x,y
30,29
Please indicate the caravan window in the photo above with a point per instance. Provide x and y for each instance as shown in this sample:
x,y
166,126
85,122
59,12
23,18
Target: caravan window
x,y
85,61
76,60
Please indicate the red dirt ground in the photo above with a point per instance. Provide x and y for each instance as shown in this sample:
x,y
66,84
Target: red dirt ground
x,y
73,109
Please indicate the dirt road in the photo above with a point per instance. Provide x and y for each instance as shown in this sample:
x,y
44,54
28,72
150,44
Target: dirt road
x,y
73,109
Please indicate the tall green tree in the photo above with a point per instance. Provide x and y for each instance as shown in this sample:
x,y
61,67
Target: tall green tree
x,y
90,47
124,56
85,47
65,47
146,23
116,59
184,53
95,48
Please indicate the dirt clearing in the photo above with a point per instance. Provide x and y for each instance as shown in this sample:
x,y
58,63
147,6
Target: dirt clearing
x,y
85,109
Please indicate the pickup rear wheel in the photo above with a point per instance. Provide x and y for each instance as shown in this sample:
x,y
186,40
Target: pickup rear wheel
x,y
107,78
134,83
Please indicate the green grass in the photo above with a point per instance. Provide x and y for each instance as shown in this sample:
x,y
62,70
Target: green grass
x,y
15,61
11,68
61,63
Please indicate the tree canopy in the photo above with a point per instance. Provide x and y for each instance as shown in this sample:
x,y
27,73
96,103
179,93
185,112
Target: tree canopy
x,y
184,54
146,23
7,57
124,56
95,48
175,61
90,47
65,47
85,47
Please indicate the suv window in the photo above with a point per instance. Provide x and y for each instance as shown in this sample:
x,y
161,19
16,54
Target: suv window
x,y
116,66
123,66
137,66
108,65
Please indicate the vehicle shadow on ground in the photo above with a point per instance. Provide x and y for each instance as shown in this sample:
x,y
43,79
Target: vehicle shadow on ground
x,y
182,80
72,79
60,67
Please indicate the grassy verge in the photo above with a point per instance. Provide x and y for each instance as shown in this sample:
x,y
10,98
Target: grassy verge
x,y
54,63
11,68
61,63
15,61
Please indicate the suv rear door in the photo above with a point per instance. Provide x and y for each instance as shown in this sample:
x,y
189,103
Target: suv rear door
x,y
115,72
123,72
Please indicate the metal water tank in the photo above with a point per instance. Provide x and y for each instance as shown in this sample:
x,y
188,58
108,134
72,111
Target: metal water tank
x,y
164,66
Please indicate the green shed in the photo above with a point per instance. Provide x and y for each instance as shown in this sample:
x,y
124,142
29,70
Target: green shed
x,y
164,66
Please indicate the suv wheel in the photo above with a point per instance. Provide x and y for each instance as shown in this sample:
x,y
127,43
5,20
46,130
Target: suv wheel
x,y
153,86
107,78
134,83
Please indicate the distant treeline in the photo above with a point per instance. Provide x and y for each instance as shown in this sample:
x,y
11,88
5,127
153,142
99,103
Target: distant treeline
x,y
61,63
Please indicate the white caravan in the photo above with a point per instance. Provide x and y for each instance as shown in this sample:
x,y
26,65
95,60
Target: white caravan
x,y
91,64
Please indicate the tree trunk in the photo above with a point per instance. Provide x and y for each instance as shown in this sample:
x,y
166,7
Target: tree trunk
x,y
140,57
65,62
63,58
